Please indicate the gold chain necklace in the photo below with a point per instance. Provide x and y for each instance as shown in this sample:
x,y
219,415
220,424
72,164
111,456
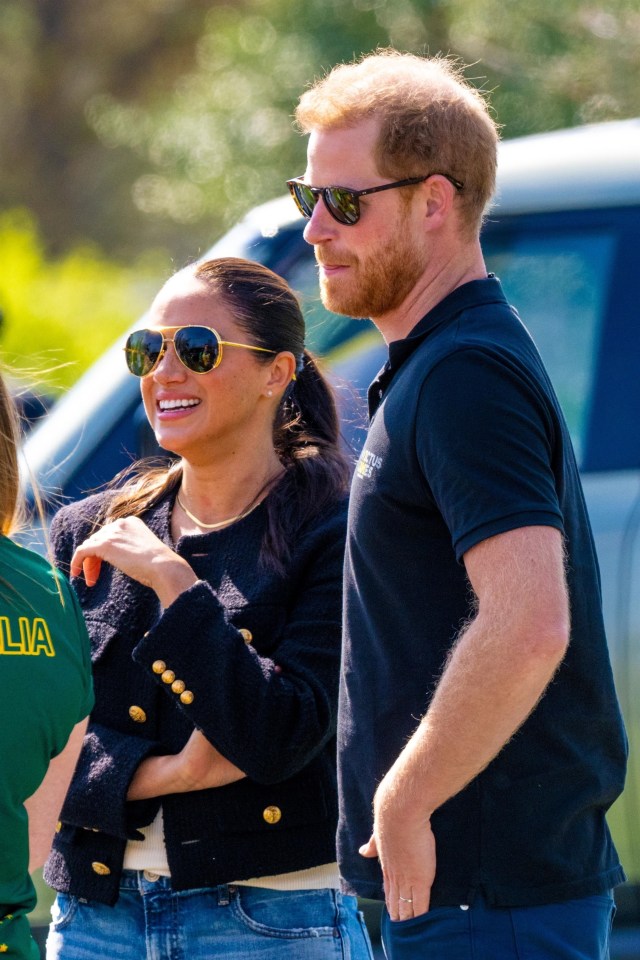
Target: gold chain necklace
x,y
221,523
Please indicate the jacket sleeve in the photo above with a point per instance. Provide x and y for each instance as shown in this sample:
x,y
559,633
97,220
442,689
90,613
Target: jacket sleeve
x,y
269,715
96,798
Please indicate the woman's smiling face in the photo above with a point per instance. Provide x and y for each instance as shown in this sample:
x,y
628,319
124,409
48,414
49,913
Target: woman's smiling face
x,y
189,412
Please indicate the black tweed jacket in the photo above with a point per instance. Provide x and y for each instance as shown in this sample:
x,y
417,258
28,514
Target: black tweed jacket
x,y
248,656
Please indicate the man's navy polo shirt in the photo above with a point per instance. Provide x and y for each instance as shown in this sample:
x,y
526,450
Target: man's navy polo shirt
x,y
467,441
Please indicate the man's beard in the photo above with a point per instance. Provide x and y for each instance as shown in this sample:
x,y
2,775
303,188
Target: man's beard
x,y
377,285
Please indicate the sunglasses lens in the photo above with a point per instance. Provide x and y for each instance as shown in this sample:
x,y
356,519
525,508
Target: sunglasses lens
x,y
198,348
343,204
304,198
142,350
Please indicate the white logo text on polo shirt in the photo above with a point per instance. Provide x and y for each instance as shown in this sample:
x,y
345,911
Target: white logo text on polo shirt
x,y
367,463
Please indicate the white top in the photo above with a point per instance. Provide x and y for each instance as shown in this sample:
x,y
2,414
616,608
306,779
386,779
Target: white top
x,y
150,854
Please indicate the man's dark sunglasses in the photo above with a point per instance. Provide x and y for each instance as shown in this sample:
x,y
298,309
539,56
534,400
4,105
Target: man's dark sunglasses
x,y
344,204
198,348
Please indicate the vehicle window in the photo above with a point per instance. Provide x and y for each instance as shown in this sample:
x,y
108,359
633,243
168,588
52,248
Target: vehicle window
x,y
559,284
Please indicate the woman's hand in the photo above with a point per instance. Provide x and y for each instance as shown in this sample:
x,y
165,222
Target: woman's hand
x,y
198,766
129,545
202,766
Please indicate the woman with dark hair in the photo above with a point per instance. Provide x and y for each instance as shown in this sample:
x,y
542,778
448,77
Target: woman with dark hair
x,y
46,696
201,818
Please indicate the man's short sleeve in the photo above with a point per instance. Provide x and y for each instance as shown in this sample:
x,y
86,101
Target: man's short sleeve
x,y
485,432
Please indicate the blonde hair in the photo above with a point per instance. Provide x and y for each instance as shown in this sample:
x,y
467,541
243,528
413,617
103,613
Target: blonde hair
x,y
12,508
431,120
10,502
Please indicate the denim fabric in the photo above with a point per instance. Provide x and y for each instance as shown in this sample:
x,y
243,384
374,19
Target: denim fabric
x,y
152,922
574,930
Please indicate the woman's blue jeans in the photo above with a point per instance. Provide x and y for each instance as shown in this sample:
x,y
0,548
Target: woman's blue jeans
x,y
152,922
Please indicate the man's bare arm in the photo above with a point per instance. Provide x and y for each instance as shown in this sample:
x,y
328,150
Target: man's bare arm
x,y
498,670
45,804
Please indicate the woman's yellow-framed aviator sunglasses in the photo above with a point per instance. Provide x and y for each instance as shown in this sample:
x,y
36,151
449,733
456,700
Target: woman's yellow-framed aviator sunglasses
x,y
198,348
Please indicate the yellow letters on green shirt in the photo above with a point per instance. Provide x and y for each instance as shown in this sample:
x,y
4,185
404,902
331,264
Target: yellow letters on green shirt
x,y
34,637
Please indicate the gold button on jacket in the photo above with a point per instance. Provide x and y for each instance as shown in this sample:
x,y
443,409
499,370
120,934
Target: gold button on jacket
x,y
247,636
101,868
137,714
187,697
272,814
158,666
178,686
168,676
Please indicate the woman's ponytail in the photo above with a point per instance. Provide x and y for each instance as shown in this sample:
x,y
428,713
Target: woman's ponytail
x,y
307,441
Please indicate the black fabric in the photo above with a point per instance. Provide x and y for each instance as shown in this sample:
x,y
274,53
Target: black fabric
x,y
467,441
269,705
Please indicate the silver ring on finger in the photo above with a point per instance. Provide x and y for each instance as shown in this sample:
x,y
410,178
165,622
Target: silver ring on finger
x,y
405,899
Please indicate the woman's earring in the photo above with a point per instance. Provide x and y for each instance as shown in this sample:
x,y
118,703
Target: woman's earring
x,y
269,393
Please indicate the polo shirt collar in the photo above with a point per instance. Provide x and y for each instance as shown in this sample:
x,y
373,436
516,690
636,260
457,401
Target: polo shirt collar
x,y
476,293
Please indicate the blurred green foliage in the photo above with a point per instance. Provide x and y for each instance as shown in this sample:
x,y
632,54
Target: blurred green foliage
x,y
127,127
159,122
59,315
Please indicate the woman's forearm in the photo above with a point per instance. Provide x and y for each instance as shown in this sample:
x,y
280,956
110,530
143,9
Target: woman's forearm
x,y
198,766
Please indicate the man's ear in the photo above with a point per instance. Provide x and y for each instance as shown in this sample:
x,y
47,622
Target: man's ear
x,y
439,197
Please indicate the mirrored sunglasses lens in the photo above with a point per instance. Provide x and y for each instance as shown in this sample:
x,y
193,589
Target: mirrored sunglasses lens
x,y
142,350
197,347
344,204
305,199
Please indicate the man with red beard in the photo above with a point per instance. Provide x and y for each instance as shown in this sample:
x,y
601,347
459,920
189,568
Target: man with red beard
x,y
480,738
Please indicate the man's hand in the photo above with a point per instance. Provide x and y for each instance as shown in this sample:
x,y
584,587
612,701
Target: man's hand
x,y
406,848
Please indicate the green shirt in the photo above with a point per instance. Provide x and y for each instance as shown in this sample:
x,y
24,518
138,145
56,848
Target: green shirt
x,y
45,689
